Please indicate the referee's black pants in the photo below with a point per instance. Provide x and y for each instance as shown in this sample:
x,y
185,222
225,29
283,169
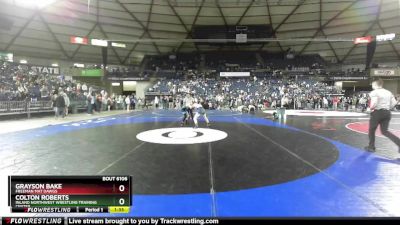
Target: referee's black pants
x,y
190,111
381,117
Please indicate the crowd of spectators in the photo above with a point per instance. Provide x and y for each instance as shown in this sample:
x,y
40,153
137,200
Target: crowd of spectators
x,y
238,94
265,89
102,101
233,93
18,82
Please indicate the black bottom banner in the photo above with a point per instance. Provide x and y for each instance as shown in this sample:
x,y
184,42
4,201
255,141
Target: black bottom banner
x,y
186,221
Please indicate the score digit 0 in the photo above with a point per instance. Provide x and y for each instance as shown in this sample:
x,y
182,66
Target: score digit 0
x,y
121,188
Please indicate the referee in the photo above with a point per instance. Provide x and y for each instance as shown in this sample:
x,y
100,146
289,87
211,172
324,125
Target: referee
x,y
382,101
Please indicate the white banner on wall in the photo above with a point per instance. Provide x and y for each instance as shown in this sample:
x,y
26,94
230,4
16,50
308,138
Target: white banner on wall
x,y
384,72
234,74
129,85
385,37
99,42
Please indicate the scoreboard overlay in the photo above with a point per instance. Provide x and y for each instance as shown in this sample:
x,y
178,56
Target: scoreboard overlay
x,y
68,194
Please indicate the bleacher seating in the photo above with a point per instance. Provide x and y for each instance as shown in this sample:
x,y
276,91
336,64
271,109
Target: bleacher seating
x,y
231,61
179,62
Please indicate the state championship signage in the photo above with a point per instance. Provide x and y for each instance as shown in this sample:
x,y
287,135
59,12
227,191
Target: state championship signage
x,y
46,69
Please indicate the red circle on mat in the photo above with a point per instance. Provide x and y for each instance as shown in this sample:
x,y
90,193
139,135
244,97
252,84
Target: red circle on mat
x,y
362,127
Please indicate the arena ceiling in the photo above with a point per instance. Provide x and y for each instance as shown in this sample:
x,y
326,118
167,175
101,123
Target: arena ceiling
x,y
44,30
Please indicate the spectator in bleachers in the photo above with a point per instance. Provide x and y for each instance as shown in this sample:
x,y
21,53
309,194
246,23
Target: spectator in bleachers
x,y
133,102
60,104
67,103
127,103
90,102
54,103
156,102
